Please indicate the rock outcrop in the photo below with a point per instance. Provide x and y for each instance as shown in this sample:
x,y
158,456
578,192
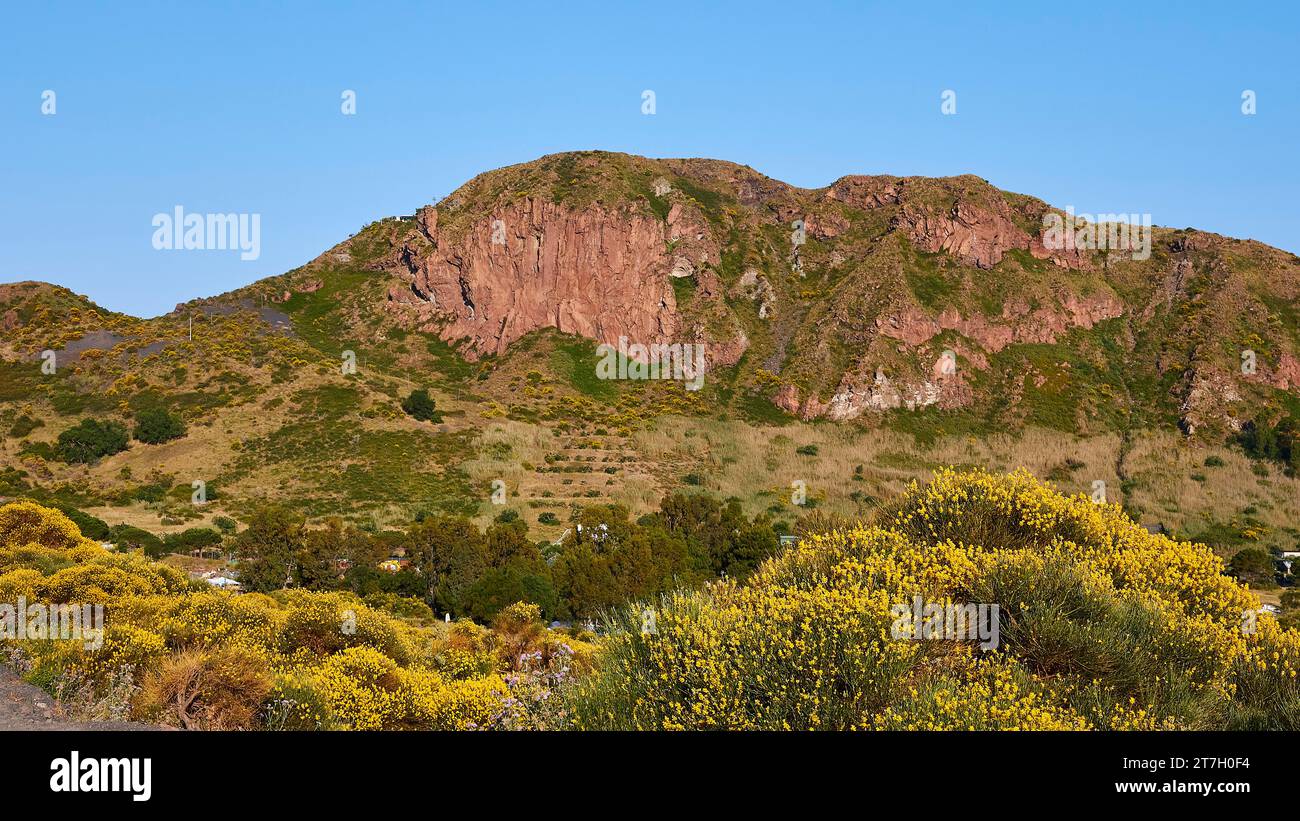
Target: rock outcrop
x,y
978,233
534,264
1019,321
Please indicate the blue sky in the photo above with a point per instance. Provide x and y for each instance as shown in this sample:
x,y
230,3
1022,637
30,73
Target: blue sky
x,y
235,107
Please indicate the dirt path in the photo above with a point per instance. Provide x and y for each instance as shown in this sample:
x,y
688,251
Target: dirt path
x,y
25,707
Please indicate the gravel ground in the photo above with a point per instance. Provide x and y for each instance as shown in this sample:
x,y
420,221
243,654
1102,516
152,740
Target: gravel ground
x,y
24,707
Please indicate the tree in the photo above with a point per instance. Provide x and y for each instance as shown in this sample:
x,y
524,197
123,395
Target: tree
x,y
90,527
606,560
501,587
91,439
452,554
1254,566
154,426
268,548
419,405
194,538
720,537
508,542
127,537
323,550
366,580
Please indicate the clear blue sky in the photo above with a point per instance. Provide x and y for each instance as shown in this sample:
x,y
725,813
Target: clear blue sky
x,y
235,107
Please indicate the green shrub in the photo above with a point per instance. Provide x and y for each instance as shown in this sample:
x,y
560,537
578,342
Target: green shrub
x,y
1254,566
24,425
192,539
155,426
419,405
90,440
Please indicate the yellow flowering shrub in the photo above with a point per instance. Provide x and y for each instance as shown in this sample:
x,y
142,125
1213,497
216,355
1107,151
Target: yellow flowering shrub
x,y
190,656
360,688
1101,625
20,583
27,523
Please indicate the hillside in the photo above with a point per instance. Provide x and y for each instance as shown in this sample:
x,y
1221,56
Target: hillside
x,y
826,317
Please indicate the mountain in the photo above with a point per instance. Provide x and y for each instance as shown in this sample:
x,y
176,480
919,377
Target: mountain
x,y
916,312
891,272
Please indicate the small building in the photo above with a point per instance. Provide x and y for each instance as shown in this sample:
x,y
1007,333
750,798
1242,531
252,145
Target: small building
x,y
224,583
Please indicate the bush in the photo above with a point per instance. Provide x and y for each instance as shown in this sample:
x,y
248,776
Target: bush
x,y
548,518
405,607
219,689
24,425
90,526
155,426
91,440
1102,625
27,523
420,406
204,659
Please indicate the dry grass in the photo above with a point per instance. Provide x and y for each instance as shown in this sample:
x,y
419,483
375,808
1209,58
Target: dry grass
x,y
758,465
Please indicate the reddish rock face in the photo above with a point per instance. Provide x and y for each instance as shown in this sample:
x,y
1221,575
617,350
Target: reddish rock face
x,y
1287,375
596,273
976,237
1018,323
976,234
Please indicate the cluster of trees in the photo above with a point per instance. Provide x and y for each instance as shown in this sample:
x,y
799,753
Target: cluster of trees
x,y
604,559
129,537
1277,441
92,439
